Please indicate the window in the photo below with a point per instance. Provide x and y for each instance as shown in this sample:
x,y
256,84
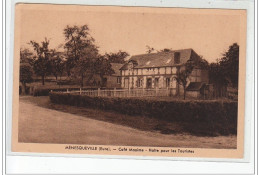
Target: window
x,y
167,82
177,57
174,83
118,80
131,65
139,82
149,83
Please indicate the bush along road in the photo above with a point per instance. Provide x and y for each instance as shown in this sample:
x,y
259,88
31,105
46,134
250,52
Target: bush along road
x,y
209,118
38,123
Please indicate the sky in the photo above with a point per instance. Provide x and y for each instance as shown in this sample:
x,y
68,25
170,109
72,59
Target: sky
x,y
208,32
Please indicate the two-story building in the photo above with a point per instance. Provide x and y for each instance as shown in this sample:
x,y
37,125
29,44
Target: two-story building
x,y
157,70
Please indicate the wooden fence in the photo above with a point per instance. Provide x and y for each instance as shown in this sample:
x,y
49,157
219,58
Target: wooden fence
x,y
206,95
123,92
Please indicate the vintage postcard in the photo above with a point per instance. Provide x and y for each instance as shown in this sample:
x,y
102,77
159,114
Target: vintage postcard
x,y
135,81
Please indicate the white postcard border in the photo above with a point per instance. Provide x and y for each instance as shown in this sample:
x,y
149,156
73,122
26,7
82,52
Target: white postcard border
x,y
249,120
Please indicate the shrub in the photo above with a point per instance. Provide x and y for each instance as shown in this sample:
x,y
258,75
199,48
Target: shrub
x,y
27,90
67,82
198,117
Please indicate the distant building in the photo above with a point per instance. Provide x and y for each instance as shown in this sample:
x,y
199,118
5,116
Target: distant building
x,y
110,81
114,80
157,70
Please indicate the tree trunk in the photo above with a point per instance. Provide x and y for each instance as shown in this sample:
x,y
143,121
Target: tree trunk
x,y
23,88
184,93
177,90
89,78
43,80
102,80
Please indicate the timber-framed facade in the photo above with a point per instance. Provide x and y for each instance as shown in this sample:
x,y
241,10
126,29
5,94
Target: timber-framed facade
x,y
158,70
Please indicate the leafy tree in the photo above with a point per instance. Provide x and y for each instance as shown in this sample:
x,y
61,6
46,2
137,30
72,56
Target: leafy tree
x,y
183,74
225,71
81,69
41,63
118,57
85,66
26,56
83,59
26,74
217,77
202,63
229,64
77,40
69,64
57,64
103,67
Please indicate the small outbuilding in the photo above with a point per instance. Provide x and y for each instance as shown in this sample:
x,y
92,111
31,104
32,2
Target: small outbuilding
x,y
195,89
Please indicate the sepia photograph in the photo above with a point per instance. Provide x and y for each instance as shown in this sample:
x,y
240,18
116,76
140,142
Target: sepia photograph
x,y
129,80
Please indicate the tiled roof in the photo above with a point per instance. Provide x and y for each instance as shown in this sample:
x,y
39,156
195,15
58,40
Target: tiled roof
x,y
160,59
116,67
195,86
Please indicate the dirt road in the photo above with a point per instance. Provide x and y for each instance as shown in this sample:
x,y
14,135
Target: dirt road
x,y
42,125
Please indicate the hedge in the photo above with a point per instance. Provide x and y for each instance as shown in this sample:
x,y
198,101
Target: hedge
x,y
210,117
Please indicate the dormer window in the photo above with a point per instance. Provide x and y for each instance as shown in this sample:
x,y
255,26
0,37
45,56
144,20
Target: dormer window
x,y
131,65
177,57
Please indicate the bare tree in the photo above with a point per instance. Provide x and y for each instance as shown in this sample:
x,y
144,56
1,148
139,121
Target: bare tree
x,y
149,49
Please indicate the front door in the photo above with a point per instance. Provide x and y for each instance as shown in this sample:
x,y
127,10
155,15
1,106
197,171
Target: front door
x,y
149,83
